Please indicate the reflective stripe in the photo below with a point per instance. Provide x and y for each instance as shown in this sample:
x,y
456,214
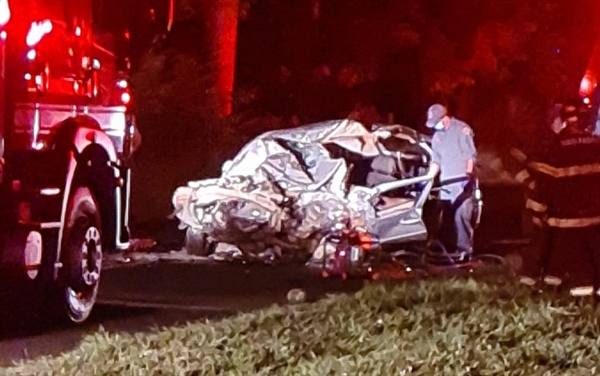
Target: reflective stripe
x,y
573,222
535,206
561,172
537,221
518,155
582,291
551,280
522,176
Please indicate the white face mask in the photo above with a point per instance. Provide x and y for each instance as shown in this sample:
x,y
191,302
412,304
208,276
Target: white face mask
x,y
439,125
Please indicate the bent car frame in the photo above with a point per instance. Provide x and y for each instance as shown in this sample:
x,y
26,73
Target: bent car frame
x,y
286,188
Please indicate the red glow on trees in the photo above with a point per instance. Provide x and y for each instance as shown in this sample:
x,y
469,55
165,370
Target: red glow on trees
x,y
590,80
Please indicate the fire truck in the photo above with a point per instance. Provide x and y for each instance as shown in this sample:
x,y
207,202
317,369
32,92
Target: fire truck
x,y
67,133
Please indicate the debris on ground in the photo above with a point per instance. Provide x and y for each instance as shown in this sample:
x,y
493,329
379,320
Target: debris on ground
x,y
296,296
135,258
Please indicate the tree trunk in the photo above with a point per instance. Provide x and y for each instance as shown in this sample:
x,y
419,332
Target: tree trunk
x,y
223,20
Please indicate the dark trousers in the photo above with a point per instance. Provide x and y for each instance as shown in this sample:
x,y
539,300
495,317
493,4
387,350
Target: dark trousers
x,y
572,254
455,225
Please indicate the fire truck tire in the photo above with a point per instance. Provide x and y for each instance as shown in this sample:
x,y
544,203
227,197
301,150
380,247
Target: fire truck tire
x,y
81,256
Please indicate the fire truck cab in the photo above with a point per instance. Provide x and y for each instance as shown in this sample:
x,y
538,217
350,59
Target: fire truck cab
x,y
67,130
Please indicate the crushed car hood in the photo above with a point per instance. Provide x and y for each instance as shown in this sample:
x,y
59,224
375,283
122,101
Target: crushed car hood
x,y
282,189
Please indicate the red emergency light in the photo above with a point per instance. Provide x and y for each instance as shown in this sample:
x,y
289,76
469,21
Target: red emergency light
x,y
587,86
37,32
122,93
125,98
4,13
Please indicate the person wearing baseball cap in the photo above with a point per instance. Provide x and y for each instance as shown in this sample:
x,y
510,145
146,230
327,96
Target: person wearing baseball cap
x,y
454,159
435,115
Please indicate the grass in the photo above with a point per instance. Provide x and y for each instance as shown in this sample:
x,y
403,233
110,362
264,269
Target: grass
x,y
472,326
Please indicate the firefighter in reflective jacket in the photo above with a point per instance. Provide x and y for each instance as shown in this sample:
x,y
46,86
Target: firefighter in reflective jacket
x,y
565,209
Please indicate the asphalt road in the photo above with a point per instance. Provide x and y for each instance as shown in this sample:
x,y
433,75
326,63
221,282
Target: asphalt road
x,y
143,297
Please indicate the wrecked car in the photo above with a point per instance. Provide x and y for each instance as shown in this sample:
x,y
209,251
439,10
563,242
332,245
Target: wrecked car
x,y
286,188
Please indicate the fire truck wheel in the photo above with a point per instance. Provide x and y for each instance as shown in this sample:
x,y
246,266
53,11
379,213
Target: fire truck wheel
x,y
82,256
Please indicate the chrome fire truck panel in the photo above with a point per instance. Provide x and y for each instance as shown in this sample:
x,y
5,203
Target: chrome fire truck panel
x,y
39,121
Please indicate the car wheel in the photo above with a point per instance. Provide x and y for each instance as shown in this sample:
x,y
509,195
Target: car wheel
x,y
82,256
197,244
